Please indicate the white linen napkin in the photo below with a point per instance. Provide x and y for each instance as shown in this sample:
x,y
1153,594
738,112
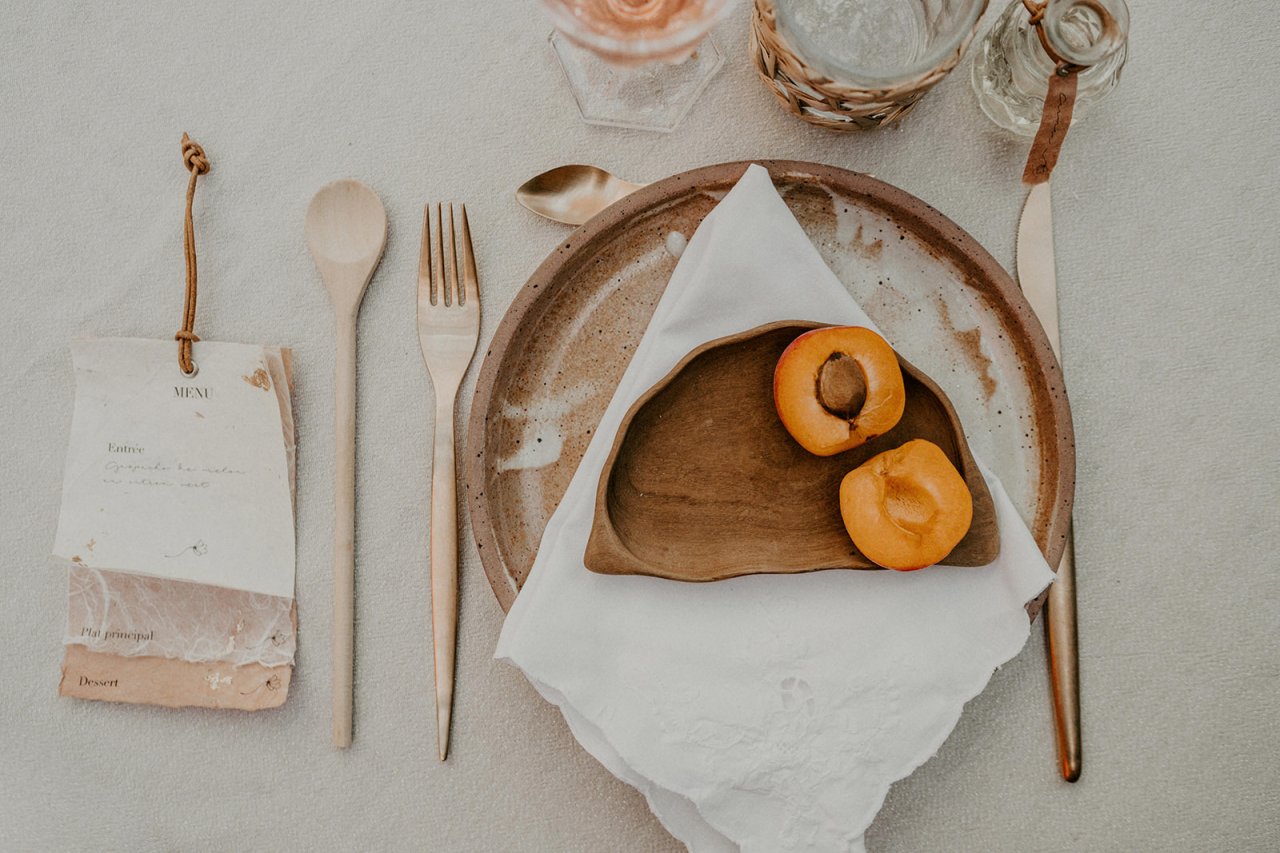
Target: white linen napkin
x,y
769,712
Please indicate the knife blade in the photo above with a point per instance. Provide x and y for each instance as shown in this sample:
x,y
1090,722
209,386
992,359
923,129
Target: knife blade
x,y
1038,278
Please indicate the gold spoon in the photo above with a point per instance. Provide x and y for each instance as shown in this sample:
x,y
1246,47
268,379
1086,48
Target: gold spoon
x,y
573,194
346,230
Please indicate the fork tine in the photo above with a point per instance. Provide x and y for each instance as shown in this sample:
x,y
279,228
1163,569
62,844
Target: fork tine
x,y
452,268
424,255
437,262
470,280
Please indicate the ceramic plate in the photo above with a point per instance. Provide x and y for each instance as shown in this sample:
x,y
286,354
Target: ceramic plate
x,y
936,294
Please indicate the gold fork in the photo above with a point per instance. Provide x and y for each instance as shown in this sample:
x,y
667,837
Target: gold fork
x,y
448,327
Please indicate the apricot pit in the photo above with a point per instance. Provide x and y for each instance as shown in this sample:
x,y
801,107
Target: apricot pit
x,y
838,387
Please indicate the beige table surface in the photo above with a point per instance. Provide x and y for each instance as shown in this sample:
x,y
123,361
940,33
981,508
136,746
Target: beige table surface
x,y
1168,258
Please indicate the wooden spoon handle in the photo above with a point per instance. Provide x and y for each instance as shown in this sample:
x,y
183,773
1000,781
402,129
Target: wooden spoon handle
x,y
344,526
444,568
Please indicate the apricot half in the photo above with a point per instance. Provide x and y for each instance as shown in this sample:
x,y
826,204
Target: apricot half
x,y
838,387
906,508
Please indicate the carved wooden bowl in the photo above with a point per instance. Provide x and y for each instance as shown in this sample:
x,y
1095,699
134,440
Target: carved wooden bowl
x,y
704,483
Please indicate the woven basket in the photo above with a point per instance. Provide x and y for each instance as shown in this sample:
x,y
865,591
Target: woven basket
x,y
818,99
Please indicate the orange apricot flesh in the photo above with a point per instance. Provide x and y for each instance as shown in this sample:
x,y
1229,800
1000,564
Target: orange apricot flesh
x,y
838,387
906,508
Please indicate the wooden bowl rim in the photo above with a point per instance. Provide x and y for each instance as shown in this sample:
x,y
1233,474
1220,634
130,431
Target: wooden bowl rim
x,y
1054,508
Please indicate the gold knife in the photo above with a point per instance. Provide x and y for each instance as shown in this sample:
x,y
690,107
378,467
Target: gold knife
x,y
1038,279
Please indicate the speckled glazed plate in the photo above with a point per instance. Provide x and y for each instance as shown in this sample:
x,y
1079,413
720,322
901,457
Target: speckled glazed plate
x,y
937,295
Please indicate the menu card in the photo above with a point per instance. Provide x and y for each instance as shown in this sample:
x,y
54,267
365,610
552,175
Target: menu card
x,y
177,526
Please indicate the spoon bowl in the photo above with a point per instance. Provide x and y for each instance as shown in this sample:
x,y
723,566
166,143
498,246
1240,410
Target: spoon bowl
x,y
573,194
346,227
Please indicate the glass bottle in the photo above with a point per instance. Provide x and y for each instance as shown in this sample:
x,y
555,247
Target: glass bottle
x,y
1011,69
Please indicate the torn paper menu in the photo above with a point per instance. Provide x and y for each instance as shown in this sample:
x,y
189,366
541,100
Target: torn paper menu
x,y
177,477
138,638
172,683
137,616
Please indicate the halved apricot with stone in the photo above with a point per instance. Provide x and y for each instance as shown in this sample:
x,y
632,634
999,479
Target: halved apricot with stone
x,y
838,387
906,508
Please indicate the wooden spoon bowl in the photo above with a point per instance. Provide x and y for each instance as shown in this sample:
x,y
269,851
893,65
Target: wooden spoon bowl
x,y
704,483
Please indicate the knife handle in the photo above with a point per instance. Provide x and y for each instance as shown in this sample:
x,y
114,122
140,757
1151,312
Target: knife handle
x,y
1064,661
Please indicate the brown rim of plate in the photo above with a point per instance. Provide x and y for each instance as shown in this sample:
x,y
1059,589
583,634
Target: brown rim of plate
x,y
1053,515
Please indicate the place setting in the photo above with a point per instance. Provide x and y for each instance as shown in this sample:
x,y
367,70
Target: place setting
x,y
769,464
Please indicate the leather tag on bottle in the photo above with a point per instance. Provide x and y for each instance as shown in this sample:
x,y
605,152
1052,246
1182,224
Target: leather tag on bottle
x,y
1054,122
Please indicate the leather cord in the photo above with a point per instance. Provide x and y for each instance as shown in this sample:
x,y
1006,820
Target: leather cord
x,y
1036,10
193,157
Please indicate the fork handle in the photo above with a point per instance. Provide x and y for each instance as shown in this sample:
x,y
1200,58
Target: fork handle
x,y
444,566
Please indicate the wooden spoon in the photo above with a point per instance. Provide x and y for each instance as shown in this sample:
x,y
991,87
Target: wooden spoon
x,y
346,230
573,194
